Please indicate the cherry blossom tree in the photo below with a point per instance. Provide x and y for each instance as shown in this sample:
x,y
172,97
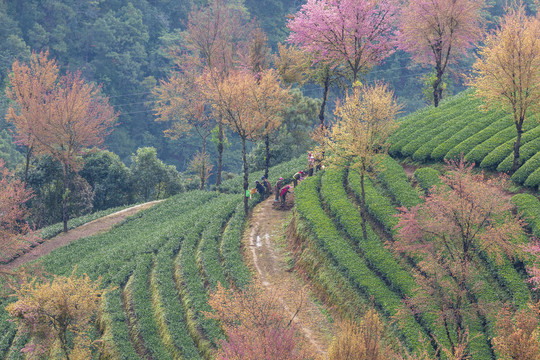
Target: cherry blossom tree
x,y
15,233
436,32
356,33
469,213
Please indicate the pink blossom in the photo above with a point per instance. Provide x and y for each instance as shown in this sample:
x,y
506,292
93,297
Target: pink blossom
x,y
359,33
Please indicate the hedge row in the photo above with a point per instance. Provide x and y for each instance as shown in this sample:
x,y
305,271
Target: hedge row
x,y
522,174
113,255
444,148
393,177
427,178
329,282
377,205
533,179
231,249
173,328
406,134
495,157
447,129
348,216
208,252
435,128
498,124
526,151
480,151
145,325
194,291
309,206
529,206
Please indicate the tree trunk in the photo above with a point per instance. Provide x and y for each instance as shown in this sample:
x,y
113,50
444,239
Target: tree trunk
x,y
65,198
27,165
244,158
220,153
324,98
267,155
437,90
363,207
203,165
517,144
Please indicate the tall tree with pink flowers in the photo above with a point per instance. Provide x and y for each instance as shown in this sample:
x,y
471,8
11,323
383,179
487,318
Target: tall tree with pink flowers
x,y
437,32
358,34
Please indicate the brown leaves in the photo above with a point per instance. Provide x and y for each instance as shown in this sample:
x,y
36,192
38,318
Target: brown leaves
x,y
361,341
251,107
517,333
60,116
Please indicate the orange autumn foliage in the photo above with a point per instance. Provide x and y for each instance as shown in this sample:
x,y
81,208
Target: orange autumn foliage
x,y
62,117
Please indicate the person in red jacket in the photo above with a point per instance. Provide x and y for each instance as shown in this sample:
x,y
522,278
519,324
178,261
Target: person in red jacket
x,y
284,193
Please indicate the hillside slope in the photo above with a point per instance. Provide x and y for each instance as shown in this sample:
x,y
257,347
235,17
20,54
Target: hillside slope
x,y
458,127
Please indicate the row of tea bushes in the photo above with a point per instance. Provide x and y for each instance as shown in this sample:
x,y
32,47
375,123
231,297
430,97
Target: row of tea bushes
x,y
457,127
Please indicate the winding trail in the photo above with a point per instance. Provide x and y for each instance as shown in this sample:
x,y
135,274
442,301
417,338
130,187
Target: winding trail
x,y
267,255
94,227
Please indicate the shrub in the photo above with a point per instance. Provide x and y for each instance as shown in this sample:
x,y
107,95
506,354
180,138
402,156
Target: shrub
x,y
495,157
480,151
529,206
476,138
392,175
521,175
527,151
360,341
427,178
476,122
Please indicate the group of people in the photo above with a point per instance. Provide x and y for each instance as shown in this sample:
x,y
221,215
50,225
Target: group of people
x,y
264,188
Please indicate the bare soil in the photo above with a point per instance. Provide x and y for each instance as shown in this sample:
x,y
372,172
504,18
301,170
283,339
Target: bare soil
x,y
97,226
267,255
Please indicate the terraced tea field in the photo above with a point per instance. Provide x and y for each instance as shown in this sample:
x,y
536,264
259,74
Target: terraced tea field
x,y
162,263
458,127
350,271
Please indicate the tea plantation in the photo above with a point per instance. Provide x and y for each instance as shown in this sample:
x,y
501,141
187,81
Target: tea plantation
x,y
161,263
458,127
350,271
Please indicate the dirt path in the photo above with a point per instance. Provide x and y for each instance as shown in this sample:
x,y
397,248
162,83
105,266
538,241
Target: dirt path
x,y
97,226
269,260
